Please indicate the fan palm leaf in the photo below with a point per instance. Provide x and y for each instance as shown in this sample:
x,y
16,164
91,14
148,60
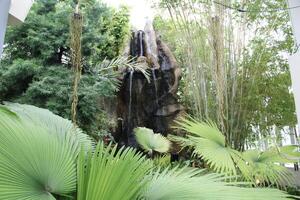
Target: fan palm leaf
x,y
209,144
192,184
112,174
290,152
151,141
263,168
33,164
53,124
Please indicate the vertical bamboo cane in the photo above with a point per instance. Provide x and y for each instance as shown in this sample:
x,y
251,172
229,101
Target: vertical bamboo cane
x,y
76,32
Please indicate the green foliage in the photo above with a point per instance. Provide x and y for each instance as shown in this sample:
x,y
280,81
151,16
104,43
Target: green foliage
x,y
100,172
111,174
254,77
273,103
186,184
35,69
263,168
37,165
16,78
270,101
51,88
54,125
162,161
33,163
150,141
45,33
105,32
289,152
209,144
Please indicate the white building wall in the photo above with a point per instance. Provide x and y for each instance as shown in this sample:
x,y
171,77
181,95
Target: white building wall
x,y
12,12
4,7
294,60
295,16
19,10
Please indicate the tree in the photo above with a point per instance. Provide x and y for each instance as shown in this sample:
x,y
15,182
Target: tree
x,y
45,33
235,70
36,66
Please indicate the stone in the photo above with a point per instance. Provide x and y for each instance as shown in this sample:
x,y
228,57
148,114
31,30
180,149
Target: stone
x,y
142,103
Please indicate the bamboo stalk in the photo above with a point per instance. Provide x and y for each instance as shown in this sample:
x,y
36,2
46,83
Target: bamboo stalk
x,y
76,32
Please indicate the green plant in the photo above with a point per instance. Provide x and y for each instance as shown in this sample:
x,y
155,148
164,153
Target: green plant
x,y
16,78
209,144
38,165
113,174
191,183
45,33
52,124
36,67
162,161
150,141
235,71
261,168
34,164
50,88
264,168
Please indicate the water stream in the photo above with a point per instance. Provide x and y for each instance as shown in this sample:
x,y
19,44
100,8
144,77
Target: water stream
x,y
141,43
130,95
155,84
144,104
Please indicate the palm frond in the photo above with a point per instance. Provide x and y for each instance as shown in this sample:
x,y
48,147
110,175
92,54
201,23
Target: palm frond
x,y
162,161
209,144
207,130
111,174
290,152
139,67
187,184
53,124
263,169
151,141
33,164
111,70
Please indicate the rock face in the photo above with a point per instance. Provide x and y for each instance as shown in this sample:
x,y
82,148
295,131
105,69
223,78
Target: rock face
x,y
142,103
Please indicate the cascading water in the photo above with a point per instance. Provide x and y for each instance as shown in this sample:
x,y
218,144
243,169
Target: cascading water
x,y
140,36
130,95
148,104
155,84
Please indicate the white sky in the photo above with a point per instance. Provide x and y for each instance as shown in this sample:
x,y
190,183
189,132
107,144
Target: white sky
x,y
140,10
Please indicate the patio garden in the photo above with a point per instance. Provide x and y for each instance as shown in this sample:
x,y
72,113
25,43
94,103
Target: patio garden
x,y
196,105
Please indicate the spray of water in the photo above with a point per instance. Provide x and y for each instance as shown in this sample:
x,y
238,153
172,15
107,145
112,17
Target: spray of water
x,y
130,95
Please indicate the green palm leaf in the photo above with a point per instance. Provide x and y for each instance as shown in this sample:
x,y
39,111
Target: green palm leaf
x,y
53,124
189,184
33,164
151,141
209,144
263,168
111,174
290,152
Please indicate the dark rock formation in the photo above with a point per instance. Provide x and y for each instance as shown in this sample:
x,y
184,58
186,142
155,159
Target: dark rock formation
x,y
142,103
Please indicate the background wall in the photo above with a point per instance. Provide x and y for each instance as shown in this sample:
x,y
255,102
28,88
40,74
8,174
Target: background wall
x,y
4,8
294,60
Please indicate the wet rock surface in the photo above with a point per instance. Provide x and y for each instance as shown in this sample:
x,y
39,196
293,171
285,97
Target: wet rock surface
x,y
148,103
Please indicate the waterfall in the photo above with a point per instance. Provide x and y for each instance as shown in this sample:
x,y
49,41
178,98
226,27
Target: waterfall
x,y
140,103
141,43
130,95
150,38
155,84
